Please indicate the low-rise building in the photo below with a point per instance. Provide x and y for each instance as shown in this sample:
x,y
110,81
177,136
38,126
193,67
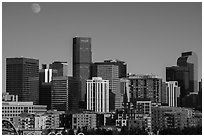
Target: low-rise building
x,y
80,120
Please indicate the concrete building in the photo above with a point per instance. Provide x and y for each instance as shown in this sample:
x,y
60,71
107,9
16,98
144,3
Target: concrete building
x,y
82,59
14,109
145,87
144,107
165,116
173,93
80,120
22,78
98,94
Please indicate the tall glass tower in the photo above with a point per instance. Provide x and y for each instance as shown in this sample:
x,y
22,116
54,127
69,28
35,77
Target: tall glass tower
x,y
22,78
190,61
82,59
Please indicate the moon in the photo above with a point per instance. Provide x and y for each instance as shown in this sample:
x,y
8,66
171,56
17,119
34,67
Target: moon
x,y
35,7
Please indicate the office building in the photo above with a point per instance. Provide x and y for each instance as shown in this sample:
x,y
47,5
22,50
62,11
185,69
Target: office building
x,y
125,92
22,78
60,67
73,94
179,74
82,59
145,87
164,101
109,71
47,74
186,73
45,85
173,93
122,67
59,94
189,60
14,109
98,95
45,94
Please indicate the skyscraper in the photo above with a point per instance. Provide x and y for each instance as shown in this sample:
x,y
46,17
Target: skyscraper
x,y
22,78
45,85
179,74
190,61
109,71
173,93
186,73
82,59
98,95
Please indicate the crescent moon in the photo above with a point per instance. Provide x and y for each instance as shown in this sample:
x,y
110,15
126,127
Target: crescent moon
x,y
35,7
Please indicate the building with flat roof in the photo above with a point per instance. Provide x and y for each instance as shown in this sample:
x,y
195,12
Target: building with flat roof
x,y
173,93
145,87
22,78
98,94
59,93
14,109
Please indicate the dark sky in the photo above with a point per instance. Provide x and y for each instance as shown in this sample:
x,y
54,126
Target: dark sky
x,y
148,36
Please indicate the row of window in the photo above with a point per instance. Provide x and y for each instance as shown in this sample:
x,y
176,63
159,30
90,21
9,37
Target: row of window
x,y
17,107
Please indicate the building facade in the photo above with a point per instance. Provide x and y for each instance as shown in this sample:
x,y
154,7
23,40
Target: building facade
x,y
60,67
189,60
145,87
173,93
22,78
82,59
98,94
80,120
109,71
59,94
14,109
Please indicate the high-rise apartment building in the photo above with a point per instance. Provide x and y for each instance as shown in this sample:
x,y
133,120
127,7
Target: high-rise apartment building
x,y
109,71
22,78
173,93
145,87
98,94
82,59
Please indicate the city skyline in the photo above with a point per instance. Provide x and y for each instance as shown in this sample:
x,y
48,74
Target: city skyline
x,y
127,29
